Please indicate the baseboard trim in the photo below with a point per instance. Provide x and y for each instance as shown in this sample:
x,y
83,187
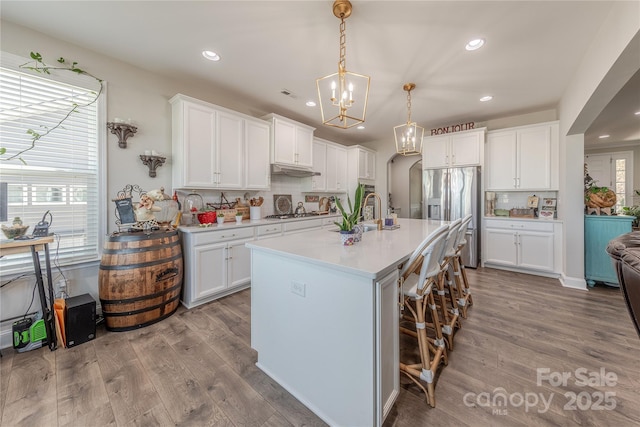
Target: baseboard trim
x,y
573,282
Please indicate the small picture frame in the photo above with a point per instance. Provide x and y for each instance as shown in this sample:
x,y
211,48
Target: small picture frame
x,y
549,203
532,202
547,212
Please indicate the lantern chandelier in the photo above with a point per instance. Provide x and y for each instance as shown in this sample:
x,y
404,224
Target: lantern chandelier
x,y
409,135
343,95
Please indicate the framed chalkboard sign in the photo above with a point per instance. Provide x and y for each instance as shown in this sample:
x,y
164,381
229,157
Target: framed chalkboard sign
x,y
124,210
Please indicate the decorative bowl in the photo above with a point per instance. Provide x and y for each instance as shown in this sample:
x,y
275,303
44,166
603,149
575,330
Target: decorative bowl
x,y
14,231
207,217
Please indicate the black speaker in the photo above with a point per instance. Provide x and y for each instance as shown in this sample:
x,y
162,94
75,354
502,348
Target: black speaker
x,y
79,319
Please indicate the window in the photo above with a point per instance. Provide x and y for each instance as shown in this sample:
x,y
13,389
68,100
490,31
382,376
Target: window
x,y
62,174
615,171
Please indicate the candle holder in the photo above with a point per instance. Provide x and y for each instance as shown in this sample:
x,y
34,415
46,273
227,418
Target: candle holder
x,y
122,131
153,162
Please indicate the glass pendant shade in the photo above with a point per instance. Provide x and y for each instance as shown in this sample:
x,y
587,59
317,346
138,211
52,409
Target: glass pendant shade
x,y
409,139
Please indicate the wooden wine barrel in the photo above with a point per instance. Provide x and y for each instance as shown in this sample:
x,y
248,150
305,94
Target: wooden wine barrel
x,y
140,279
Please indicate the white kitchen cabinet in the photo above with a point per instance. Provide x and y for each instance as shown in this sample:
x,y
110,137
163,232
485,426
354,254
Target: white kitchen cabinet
x,y
525,245
213,147
257,145
217,263
524,158
330,160
291,142
318,182
207,148
361,167
230,149
453,150
337,168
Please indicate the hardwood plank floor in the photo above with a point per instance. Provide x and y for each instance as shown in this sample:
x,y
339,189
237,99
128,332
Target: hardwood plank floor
x,y
197,368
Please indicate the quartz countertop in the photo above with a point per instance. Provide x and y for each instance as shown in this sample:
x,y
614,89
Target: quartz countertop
x,y
377,253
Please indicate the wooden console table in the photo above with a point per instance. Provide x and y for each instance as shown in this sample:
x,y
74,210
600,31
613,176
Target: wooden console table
x,y
35,246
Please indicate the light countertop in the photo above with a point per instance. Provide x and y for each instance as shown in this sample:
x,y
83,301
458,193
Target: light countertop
x,y
377,253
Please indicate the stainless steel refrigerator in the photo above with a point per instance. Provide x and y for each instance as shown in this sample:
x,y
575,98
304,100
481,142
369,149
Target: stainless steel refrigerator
x,y
452,193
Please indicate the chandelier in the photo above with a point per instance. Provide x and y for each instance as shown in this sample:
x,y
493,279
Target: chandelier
x,y
343,95
409,135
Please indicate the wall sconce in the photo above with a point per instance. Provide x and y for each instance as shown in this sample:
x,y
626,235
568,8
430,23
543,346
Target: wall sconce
x,y
122,131
153,161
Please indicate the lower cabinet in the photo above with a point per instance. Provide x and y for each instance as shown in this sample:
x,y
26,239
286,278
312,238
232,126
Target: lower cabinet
x,y
217,263
598,231
530,246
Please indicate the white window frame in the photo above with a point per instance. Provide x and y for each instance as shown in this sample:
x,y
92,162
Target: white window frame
x,y
17,264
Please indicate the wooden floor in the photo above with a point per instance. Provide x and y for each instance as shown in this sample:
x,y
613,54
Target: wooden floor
x,y
196,368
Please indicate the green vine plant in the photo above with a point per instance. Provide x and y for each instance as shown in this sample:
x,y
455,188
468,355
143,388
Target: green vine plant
x,y
38,65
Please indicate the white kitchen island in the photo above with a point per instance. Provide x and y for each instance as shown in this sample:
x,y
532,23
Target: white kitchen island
x,y
324,318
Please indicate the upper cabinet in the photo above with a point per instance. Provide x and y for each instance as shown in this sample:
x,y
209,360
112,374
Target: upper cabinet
x,y
362,161
330,160
523,158
453,150
257,171
213,147
291,142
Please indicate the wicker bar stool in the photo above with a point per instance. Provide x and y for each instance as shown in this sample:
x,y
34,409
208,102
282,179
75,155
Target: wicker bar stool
x,y
416,286
463,295
446,289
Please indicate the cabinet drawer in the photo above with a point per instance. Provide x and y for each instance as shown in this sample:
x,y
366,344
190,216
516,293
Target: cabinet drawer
x,y
265,230
302,225
222,235
536,225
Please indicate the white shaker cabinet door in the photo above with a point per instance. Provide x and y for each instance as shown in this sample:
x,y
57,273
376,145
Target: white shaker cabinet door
x,y
210,270
239,263
284,146
534,158
501,247
199,146
304,147
435,152
230,151
500,161
535,250
257,166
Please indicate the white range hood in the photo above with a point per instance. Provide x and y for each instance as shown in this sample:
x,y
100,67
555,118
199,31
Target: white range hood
x,y
288,170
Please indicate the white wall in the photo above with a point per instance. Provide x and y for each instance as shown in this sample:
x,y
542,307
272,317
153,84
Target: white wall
x,y
608,64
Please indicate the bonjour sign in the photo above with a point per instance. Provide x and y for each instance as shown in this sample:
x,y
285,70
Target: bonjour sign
x,y
453,128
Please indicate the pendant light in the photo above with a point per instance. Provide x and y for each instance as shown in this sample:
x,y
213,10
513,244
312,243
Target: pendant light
x,y
409,135
343,95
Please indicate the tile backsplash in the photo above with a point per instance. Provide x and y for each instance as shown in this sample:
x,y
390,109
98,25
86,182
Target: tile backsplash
x,y
515,199
280,184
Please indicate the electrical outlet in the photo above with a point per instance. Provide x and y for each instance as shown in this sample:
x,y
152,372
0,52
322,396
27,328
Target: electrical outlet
x,y
298,288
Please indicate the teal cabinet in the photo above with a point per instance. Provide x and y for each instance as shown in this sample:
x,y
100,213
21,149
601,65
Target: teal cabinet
x,y
598,231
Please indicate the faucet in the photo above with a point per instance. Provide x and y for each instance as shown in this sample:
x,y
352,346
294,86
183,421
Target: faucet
x,y
379,210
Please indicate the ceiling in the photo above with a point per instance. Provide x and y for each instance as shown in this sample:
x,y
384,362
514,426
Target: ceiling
x,y
532,50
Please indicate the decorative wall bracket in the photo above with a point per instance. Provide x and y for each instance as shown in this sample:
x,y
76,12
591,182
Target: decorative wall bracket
x,y
153,162
122,131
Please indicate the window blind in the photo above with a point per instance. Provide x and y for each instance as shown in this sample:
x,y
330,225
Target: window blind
x,y
62,173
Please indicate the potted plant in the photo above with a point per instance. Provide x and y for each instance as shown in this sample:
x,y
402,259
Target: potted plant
x,y
238,217
350,218
220,218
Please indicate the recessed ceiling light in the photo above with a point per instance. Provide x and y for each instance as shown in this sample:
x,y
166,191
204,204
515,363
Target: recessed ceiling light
x,y
475,44
637,113
360,127
604,136
311,104
210,55
486,98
